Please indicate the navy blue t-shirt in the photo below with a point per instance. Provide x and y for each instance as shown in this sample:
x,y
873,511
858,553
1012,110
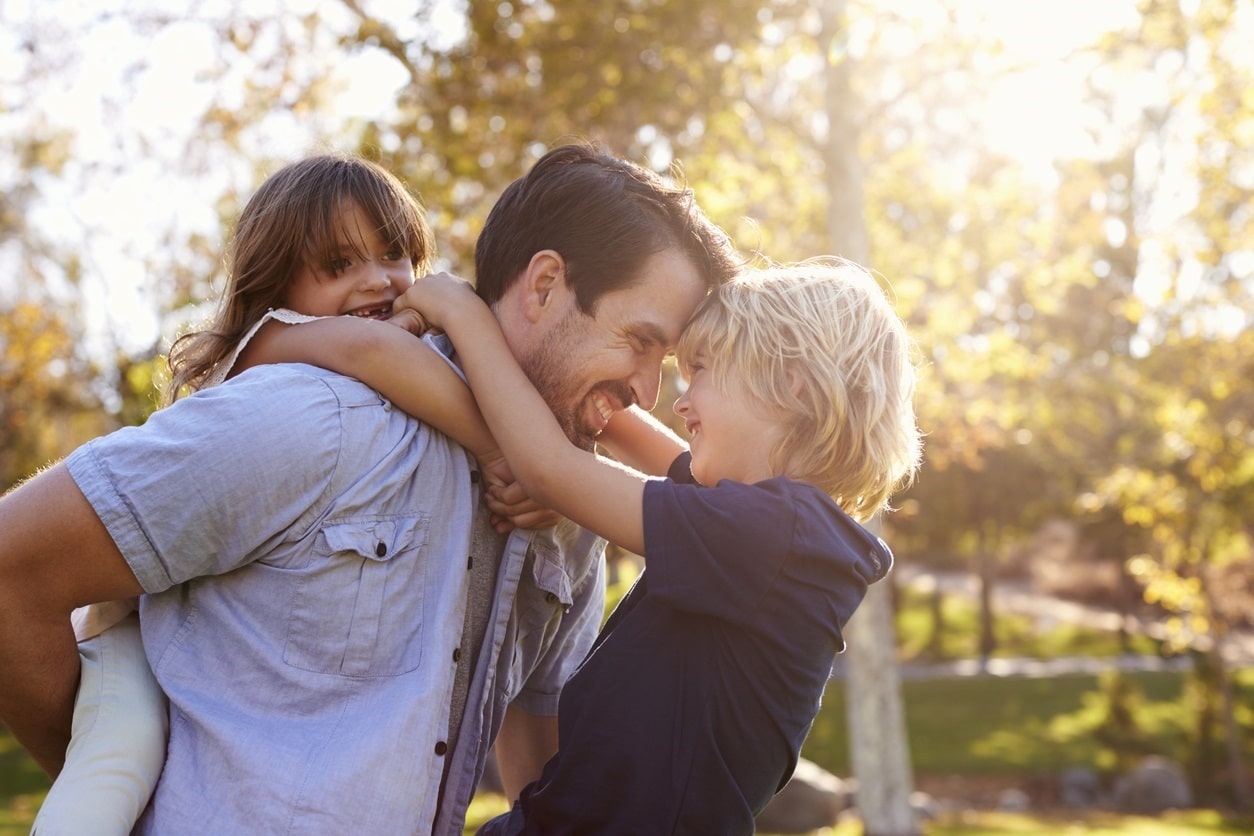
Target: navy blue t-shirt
x,y
689,712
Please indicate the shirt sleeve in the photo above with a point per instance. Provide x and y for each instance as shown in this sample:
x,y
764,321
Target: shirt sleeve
x,y
577,628
214,481
715,550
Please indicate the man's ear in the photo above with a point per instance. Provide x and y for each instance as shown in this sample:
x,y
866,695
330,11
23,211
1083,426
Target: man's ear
x,y
544,284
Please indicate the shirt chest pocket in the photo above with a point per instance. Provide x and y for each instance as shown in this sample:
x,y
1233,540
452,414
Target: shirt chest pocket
x,y
357,608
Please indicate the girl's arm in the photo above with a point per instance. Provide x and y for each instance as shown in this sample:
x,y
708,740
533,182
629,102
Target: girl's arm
x,y
602,496
407,372
640,441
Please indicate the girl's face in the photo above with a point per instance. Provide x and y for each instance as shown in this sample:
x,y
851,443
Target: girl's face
x,y
730,437
362,278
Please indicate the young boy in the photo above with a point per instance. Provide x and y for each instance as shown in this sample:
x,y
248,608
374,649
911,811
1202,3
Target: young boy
x,y
689,713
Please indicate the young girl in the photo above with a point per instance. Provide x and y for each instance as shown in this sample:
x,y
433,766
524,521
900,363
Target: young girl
x,y
329,236
690,710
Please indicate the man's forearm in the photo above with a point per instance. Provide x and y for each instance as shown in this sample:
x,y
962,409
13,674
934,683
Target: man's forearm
x,y
37,692
55,554
524,744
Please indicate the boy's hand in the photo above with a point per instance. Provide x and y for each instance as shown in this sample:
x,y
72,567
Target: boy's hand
x,y
434,298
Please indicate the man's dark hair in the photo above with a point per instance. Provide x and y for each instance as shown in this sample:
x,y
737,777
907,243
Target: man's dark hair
x,y
605,216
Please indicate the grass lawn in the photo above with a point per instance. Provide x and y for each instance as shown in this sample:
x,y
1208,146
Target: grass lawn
x,y
973,726
1011,728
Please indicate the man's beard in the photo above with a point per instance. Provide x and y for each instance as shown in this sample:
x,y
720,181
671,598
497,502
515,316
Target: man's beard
x,y
552,370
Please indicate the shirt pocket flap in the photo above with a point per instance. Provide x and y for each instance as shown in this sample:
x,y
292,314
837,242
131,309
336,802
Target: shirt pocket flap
x,y
549,572
377,540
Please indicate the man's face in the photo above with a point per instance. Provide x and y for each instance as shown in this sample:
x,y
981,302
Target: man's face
x,y
588,367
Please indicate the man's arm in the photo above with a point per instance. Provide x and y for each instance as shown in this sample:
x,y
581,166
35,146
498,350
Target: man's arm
x,y
55,555
523,746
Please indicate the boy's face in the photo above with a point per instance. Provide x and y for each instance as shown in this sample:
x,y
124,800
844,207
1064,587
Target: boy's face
x,y
588,367
362,278
731,437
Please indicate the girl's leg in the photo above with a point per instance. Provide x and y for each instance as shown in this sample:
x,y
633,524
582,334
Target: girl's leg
x,y
117,743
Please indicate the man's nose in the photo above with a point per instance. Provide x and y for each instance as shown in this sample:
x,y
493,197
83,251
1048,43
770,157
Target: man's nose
x,y
646,384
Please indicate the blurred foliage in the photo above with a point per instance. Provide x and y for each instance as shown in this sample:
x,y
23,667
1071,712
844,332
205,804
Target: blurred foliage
x,y
1085,338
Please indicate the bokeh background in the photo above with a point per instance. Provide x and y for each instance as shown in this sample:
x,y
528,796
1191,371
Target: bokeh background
x,y
1057,194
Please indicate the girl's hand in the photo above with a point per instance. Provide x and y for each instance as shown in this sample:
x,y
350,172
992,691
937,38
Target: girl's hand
x,y
434,298
510,505
409,320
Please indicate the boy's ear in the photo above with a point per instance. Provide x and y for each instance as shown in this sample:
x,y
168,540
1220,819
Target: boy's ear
x,y
795,383
544,284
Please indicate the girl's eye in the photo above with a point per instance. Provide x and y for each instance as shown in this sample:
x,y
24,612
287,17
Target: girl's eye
x,y
338,265
395,254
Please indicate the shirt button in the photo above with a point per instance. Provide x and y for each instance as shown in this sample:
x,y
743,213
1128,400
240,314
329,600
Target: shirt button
x,y
441,748
381,549
470,562
457,654
474,477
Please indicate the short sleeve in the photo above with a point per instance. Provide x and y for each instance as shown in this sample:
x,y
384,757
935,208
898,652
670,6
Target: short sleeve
x,y
715,550
210,482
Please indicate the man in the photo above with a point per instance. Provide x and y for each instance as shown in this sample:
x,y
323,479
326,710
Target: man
x,y
354,673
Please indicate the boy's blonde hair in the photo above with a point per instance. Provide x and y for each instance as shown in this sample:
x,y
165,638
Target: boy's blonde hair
x,y
818,345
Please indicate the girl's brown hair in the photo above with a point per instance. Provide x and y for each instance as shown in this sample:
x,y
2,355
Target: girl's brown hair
x,y
293,220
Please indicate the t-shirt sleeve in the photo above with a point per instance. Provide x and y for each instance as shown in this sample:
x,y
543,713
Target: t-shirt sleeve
x,y
715,550
211,482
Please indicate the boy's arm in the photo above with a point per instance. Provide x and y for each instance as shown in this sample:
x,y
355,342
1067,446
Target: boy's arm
x,y
600,495
640,441
409,373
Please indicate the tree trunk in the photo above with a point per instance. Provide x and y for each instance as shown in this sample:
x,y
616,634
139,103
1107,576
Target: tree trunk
x,y
877,734
1228,709
877,729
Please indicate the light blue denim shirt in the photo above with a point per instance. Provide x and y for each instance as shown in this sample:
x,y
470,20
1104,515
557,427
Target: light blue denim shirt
x,y
305,548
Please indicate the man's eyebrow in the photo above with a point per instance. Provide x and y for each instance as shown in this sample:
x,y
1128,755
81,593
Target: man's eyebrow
x,y
650,332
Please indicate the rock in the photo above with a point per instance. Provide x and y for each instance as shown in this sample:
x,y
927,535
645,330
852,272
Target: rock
x,y
812,799
1013,800
1155,785
1079,786
925,806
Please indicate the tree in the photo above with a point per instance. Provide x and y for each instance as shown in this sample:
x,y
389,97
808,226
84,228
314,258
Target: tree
x,y
1188,475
